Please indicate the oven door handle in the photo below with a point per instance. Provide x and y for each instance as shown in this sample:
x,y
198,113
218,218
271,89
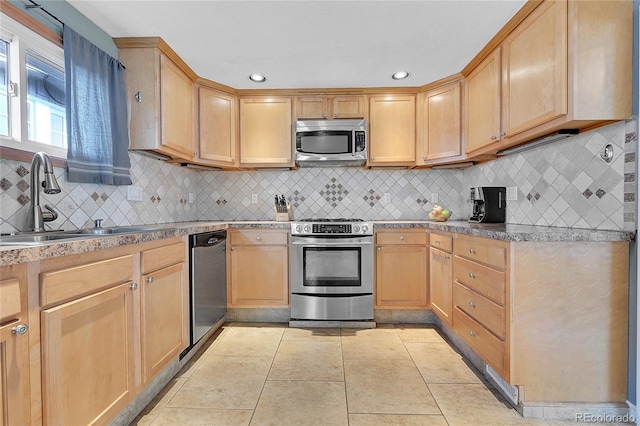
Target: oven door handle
x,y
323,244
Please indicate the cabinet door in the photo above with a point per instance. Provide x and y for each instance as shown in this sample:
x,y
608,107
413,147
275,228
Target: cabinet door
x,y
442,132
534,63
176,108
87,362
348,107
392,129
401,276
312,107
217,127
259,276
266,132
483,103
162,318
440,284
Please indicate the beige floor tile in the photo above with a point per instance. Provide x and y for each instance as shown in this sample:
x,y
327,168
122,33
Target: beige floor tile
x,y
314,334
439,363
388,386
159,402
224,383
301,403
416,333
396,420
308,360
248,341
474,404
373,344
202,416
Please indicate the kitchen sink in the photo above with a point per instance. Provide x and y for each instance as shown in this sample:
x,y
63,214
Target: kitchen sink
x,y
119,230
51,236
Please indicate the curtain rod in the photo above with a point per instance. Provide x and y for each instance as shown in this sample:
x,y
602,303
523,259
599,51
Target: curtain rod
x,y
35,5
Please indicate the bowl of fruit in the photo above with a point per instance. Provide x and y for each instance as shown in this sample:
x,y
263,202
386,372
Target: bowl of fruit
x,y
439,214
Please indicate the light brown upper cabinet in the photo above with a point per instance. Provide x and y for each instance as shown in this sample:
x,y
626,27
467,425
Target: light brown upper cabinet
x,y
160,95
329,107
265,132
556,70
392,130
217,128
440,125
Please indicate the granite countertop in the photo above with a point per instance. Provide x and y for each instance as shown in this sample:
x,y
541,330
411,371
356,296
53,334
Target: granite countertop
x,y
506,232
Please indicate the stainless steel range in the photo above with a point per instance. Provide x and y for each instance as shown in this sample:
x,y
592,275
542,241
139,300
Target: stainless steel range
x,y
331,270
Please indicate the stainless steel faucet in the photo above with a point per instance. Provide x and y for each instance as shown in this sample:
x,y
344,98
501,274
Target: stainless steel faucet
x,y
36,218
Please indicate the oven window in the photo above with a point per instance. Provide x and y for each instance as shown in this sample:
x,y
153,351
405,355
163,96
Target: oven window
x,y
331,266
325,142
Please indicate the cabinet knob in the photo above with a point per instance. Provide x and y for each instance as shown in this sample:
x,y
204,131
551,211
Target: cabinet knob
x,y
493,138
401,237
437,241
446,256
138,97
473,305
424,158
324,115
472,275
503,134
472,251
335,115
133,286
258,238
20,329
149,280
472,333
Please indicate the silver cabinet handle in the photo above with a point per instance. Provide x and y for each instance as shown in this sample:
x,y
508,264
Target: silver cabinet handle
x,y
401,237
472,251
472,333
258,238
233,249
20,329
149,280
379,248
133,286
138,97
473,305
472,275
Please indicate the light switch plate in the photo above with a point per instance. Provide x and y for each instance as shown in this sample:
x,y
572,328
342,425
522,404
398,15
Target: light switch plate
x,y
254,198
192,197
134,193
434,197
386,199
512,193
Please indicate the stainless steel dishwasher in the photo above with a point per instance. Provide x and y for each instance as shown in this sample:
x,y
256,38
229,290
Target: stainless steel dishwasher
x,y
208,276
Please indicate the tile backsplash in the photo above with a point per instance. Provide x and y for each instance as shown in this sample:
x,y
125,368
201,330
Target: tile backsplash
x,y
561,184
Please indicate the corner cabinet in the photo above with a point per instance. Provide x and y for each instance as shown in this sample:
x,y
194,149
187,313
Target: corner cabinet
x,y
402,266
15,404
440,125
329,107
160,96
217,128
554,71
392,130
258,262
266,133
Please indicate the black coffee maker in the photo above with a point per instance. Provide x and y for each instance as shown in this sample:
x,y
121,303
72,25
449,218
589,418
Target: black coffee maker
x,y
489,204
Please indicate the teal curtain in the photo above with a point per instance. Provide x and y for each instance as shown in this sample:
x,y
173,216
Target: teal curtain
x,y
97,120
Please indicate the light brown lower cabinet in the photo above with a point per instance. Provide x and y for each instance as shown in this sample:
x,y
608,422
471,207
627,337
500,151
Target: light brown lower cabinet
x,y
87,358
440,282
258,266
14,348
402,266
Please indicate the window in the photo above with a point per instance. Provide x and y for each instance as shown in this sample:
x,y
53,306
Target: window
x,y
32,91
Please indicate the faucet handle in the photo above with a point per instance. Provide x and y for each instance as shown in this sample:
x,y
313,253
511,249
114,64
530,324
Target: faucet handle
x,y
49,215
98,223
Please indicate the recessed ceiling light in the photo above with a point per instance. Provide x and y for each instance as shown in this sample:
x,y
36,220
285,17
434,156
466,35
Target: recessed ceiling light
x,y
400,75
258,78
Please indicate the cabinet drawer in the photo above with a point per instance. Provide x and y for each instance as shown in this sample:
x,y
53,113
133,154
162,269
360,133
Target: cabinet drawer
x,y
57,286
488,346
488,282
401,237
158,258
483,250
440,241
259,237
10,298
483,310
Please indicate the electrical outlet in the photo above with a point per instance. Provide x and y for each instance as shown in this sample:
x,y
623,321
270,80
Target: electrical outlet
x,y
254,198
386,199
512,193
434,197
134,193
192,197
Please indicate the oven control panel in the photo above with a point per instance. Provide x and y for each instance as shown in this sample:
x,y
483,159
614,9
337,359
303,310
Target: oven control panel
x,y
328,228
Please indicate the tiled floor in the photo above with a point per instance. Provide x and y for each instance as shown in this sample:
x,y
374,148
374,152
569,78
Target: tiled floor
x,y
269,374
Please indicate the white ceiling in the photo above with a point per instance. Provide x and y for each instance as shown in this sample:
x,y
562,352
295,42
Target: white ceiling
x,y
311,44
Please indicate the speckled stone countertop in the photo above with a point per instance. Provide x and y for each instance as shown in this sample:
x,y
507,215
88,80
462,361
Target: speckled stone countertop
x,y
506,232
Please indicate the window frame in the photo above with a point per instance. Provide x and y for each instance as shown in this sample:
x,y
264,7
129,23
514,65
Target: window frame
x,y
23,40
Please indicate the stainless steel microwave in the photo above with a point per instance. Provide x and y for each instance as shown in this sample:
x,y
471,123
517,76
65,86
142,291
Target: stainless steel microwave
x,y
331,143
